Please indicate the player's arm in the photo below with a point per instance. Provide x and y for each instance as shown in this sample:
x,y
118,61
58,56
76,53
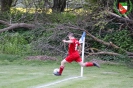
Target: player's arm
x,y
67,41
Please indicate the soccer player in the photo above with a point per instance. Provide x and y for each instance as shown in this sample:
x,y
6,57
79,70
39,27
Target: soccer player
x,y
74,51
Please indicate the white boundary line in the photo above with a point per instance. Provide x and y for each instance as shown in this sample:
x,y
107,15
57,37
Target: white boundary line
x,y
53,83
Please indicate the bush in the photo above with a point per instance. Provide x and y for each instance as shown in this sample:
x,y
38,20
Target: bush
x,y
13,43
120,38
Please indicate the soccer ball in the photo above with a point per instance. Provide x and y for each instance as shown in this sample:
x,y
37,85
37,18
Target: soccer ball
x,y
56,70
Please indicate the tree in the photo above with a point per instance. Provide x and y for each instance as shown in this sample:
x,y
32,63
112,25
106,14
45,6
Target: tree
x,y
59,5
5,5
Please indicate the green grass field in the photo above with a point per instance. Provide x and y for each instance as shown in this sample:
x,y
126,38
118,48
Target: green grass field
x,y
30,76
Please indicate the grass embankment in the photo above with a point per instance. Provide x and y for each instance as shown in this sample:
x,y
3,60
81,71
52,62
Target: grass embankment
x,y
27,74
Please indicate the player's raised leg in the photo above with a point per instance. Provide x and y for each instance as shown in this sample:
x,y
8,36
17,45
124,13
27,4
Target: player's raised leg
x,y
89,64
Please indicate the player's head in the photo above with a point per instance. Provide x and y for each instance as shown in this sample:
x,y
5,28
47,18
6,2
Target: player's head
x,y
70,35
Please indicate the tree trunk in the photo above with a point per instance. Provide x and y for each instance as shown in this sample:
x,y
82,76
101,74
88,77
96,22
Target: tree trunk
x,y
15,25
5,5
59,5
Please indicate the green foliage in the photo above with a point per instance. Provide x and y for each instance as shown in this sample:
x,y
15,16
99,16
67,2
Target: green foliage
x,y
2,26
120,38
17,15
62,17
13,43
92,1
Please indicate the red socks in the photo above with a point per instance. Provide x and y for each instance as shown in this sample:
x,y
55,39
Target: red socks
x,y
61,69
89,64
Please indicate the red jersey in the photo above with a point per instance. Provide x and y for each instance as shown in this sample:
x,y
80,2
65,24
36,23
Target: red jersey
x,y
73,46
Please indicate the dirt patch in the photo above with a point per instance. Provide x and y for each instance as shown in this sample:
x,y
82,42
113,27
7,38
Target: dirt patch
x,y
41,57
